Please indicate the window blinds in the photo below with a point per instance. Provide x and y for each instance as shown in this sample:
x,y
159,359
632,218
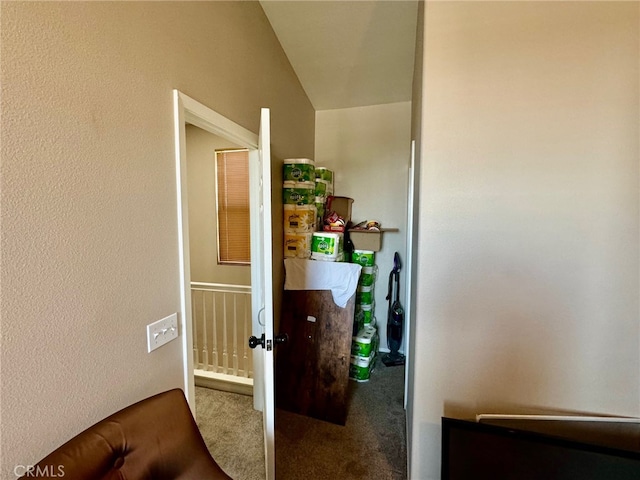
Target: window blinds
x,y
232,167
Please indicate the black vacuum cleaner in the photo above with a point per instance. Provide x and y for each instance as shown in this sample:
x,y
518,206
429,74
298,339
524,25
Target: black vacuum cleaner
x,y
395,318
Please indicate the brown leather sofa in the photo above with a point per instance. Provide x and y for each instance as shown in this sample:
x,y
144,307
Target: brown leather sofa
x,y
156,438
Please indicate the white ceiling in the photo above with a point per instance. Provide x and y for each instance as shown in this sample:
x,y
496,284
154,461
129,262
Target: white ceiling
x,y
348,53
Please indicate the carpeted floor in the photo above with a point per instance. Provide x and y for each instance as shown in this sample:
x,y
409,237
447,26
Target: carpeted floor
x,y
372,444
232,430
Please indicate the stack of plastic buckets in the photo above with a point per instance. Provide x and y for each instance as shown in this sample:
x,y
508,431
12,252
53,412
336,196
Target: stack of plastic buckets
x,y
324,188
364,345
300,213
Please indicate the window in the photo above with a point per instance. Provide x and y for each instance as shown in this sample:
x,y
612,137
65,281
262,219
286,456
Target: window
x,y
232,187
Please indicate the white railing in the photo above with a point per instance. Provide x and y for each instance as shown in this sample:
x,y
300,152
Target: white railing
x,y
221,316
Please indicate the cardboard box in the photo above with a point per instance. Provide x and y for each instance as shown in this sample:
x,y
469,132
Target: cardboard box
x,y
340,205
366,240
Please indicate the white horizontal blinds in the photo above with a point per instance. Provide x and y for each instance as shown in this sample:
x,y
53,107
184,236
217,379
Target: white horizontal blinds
x,y
232,168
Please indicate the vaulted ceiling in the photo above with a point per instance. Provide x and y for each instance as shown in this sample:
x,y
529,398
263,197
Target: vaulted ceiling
x,y
348,53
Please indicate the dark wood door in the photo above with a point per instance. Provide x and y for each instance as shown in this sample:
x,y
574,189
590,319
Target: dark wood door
x,y
312,367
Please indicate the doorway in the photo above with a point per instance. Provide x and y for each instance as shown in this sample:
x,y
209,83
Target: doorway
x,y
220,288
189,111
195,119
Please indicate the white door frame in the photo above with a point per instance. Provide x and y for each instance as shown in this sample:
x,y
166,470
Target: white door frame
x,y
188,110
409,270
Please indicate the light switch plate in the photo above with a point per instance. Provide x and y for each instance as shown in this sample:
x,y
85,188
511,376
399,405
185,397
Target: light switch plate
x,y
162,331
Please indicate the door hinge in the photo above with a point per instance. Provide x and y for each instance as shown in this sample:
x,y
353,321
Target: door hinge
x,y
269,345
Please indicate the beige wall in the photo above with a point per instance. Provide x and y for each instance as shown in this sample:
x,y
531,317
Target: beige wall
x,y
529,214
203,238
89,237
369,150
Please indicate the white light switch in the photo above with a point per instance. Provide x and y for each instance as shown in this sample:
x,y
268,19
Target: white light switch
x,y
162,331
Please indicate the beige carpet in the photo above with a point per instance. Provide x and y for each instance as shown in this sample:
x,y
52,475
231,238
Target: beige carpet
x,y
232,430
372,444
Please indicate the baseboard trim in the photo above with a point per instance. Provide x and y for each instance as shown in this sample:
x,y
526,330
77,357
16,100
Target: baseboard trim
x,y
225,383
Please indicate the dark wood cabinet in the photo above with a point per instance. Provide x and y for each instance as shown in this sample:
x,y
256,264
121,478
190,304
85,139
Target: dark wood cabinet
x,y
510,449
312,367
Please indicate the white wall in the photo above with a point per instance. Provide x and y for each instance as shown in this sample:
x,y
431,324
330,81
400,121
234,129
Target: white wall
x,y
89,216
369,150
527,295
203,237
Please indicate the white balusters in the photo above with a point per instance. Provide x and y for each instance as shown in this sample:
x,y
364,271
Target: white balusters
x,y
205,350
235,335
246,328
225,338
221,328
214,330
194,326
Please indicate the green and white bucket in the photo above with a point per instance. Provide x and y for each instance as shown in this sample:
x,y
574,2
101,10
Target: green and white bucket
x,y
367,276
327,258
358,320
323,173
322,188
366,258
364,313
365,343
327,246
361,367
298,193
299,170
320,214
364,295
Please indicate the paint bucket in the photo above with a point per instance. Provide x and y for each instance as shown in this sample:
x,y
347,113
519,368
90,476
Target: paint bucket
x,y
300,218
298,193
297,245
299,170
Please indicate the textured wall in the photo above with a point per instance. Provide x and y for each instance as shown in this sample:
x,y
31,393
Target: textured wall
x,y
89,235
529,213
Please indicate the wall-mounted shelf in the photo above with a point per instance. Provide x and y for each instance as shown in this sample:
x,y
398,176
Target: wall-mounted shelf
x,y
369,239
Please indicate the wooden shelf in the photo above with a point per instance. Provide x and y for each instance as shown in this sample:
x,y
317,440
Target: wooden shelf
x,y
382,230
